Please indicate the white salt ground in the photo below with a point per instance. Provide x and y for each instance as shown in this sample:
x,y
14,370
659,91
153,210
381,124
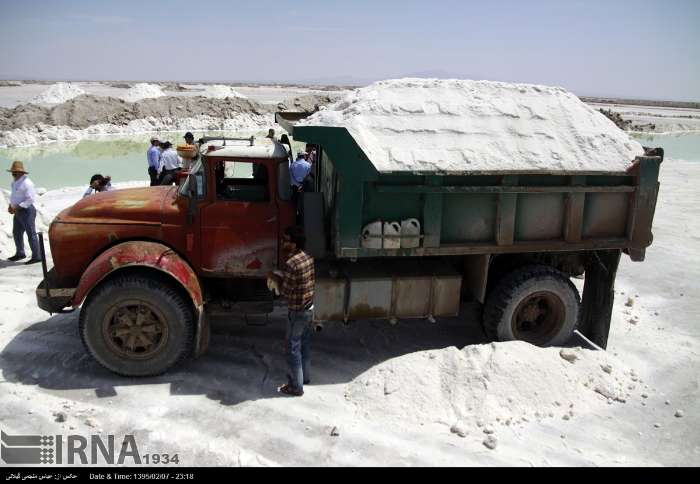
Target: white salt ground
x,y
58,93
467,126
143,91
220,91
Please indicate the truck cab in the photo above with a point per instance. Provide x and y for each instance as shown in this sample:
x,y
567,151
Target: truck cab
x,y
143,262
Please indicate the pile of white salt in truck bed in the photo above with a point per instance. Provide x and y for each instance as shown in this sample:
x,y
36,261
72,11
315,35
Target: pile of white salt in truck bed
x,y
461,126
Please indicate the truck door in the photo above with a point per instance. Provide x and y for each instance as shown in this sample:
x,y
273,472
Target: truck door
x,y
239,230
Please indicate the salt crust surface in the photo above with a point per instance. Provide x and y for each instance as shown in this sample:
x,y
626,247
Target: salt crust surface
x,y
58,93
467,126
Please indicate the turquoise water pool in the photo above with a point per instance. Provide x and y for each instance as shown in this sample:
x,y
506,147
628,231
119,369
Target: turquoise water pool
x,y
676,146
73,163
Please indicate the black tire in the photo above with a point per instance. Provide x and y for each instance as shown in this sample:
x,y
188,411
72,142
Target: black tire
x,y
117,305
535,303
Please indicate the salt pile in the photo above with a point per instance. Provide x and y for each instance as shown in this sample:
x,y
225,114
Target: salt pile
x,y
58,93
466,126
492,384
219,91
143,91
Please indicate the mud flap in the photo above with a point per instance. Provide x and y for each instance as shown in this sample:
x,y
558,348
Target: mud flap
x,y
203,333
598,296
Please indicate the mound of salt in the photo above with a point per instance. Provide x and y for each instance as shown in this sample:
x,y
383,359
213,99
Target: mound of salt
x,y
467,126
143,91
485,385
58,93
220,91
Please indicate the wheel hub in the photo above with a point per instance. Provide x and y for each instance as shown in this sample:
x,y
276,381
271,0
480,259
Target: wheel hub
x,y
538,317
135,330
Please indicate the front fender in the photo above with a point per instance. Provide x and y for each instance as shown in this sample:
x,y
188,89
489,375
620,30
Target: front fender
x,y
152,255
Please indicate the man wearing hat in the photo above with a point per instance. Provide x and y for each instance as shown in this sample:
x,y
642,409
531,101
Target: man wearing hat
x,y
153,156
22,207
188,162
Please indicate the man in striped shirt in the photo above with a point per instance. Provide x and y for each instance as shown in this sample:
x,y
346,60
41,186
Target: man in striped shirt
x,y
297,286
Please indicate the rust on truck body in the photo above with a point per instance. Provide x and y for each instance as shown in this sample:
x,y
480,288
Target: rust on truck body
x,y
144,254
81,232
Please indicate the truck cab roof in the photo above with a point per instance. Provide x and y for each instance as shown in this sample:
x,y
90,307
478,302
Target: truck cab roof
x,y
242,148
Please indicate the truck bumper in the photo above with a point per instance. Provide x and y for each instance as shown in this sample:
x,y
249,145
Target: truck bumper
x,y
49,297
53,300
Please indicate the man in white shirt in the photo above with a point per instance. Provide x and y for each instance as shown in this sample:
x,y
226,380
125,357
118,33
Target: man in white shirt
x,y
170,163
22,207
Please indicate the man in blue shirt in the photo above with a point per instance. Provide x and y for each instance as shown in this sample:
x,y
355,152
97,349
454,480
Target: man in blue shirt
x,y
153,156
298,173
299,170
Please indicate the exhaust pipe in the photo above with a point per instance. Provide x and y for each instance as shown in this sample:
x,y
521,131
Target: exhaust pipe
x,y
318,327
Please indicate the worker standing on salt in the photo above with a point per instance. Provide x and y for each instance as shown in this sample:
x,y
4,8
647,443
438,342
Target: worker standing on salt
x,y
22,207
297,286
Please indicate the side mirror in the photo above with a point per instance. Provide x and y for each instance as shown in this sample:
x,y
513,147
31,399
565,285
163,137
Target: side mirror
x,y
192,193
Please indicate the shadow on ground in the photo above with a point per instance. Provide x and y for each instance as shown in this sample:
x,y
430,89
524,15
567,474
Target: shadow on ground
x,y
244,362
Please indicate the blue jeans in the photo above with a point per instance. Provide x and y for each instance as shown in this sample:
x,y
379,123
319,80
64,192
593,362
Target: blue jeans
x,y
22,222
298,347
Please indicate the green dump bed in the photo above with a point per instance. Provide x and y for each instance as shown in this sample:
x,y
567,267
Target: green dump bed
x,y
479,212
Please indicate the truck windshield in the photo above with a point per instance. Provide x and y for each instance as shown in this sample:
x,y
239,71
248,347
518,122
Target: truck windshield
x,y
198,171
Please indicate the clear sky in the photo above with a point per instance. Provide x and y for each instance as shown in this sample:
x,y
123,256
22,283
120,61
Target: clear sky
x,y
640,48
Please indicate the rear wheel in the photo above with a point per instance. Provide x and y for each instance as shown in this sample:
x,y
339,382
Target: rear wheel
x,y
537,304
137,326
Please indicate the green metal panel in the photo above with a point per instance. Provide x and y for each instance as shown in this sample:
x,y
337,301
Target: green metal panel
x,y
573,224
468,218
605,215
432,214
540,216
505,213
645,203
390,207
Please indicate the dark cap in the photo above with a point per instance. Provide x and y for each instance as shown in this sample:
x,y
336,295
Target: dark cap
x,y
189,135
95,178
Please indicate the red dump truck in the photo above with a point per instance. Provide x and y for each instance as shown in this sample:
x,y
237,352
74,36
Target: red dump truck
x,y
146,267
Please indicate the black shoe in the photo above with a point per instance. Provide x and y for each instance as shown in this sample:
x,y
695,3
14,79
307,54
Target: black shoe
x,y
289,380
16,257
32,261
290,390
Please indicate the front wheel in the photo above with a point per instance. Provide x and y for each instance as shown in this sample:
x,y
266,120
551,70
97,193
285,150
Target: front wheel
x,y
537,304
137,325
